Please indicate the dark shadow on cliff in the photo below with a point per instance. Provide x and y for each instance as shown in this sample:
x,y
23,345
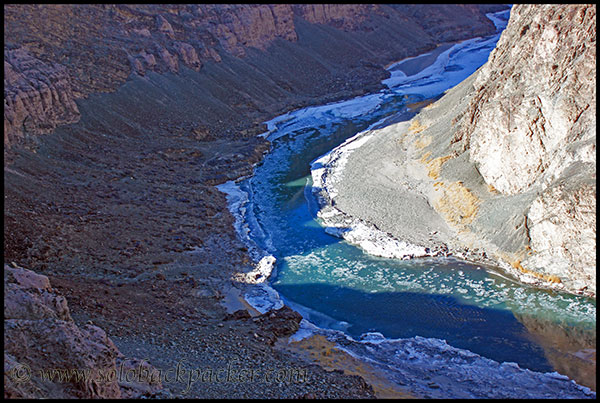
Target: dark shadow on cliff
x,y
492,333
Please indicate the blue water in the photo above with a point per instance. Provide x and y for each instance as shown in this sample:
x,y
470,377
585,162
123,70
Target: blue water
x,y
464,304
336,285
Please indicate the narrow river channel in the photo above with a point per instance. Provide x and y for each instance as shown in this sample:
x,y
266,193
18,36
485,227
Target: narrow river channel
x,y
436,312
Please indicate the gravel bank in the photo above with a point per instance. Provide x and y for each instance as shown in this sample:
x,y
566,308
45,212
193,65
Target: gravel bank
x,y
408,183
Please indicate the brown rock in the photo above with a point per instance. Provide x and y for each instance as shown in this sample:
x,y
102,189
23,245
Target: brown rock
x,y
530,126
282,322
26,278
188,55
164,27
237,315
46,355
138,378
344,16
37,96
91,45
169,60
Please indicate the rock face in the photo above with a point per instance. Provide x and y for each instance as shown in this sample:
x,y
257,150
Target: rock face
x,y
502,168
512,149
531,124
57,53
535,97
37,96
158,94
41,339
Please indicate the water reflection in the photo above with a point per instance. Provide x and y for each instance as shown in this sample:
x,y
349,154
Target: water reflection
x,y
340,286
570,350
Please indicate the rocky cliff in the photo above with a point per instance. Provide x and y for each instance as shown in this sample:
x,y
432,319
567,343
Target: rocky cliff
x,y
55,54
535,97
37,95
512,149
531,126
46,353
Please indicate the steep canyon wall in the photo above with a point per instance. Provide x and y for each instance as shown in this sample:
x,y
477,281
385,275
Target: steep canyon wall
x,y
55,54
520,135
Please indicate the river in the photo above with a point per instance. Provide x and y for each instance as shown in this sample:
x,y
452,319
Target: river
x,y
446,327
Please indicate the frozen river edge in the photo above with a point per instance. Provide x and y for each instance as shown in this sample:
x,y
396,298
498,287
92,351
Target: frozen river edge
x,y
431,367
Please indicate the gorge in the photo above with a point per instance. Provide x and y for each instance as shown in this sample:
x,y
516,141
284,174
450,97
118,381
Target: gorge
x,y
121,204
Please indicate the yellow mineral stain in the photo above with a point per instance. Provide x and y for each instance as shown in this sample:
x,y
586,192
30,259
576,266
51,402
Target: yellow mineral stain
x,y
492,189
435,166
421,104
457,204
547,277
423,142
416,127
318,349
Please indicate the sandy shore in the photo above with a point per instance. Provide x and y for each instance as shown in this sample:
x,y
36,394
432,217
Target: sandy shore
x,y
361,197
324,352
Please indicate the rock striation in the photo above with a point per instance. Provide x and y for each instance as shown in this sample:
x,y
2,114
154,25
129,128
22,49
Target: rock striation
x,y
55,54
530,126
507,157
534,97
40,336
38,96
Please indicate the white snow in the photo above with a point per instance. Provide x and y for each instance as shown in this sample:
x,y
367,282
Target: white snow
x,y
458,373
451,67
326,172
315,116
411,361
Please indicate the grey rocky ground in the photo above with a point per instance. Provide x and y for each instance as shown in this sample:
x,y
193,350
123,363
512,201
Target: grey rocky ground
x,y
114,199
440,179
179,327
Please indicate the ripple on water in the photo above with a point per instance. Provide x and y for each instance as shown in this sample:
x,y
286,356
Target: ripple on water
x,y
469,307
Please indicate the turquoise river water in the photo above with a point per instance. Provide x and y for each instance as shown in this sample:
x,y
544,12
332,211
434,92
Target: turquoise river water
x,y
336,285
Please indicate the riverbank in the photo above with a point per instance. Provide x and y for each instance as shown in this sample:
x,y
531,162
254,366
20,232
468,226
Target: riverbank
x,y
268,210
385,191
413,65
407,220
405,189
374,192
141,243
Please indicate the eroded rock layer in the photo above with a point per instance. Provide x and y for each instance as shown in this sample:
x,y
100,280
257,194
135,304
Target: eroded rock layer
x,y
531,125
57,53
518,139
47,354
